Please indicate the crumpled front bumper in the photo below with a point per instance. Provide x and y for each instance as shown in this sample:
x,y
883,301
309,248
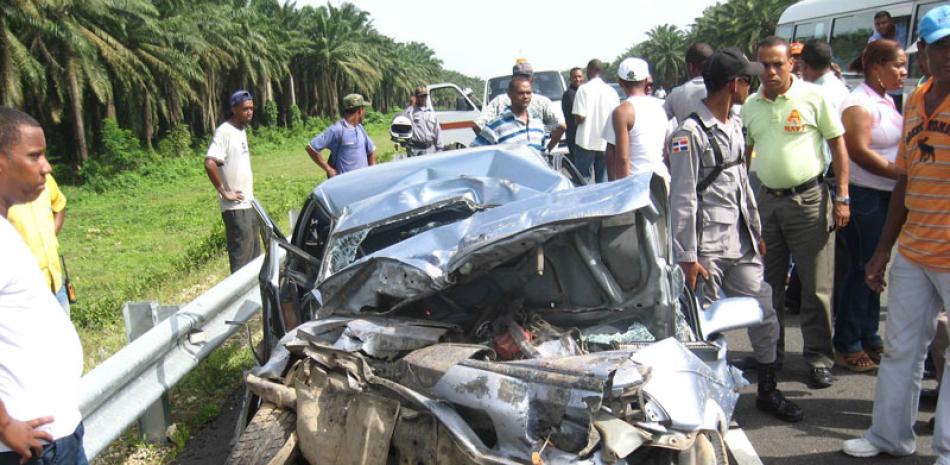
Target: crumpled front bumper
x,y
452,403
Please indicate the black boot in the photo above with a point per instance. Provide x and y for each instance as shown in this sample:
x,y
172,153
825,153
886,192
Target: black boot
x,y
771,400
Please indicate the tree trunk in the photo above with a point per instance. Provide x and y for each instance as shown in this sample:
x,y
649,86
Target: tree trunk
x,y
147,128
75,100
110,109
293,92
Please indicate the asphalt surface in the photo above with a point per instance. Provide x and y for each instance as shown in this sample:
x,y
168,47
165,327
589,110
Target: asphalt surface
x,y
832,415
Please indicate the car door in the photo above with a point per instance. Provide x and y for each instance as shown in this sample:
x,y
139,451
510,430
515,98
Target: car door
x,y
456,114
280,283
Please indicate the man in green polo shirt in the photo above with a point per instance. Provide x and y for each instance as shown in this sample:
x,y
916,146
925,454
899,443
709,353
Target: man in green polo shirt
x,y
787,121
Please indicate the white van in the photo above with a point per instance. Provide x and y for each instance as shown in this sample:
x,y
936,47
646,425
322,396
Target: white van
x,y
847,25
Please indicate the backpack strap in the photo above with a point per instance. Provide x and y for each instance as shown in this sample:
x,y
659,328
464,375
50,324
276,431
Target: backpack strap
x,y
717,153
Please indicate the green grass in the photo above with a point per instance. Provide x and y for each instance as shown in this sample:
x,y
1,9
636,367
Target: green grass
x,y
160,237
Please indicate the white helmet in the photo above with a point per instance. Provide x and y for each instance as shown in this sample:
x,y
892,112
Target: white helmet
x,y
467,91
401,128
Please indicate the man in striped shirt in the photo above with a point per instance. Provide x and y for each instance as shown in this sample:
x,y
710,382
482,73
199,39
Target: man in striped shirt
x,y
515,125
918,218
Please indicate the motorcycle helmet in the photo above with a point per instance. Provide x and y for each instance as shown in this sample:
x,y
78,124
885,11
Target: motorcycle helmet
x,y
400,128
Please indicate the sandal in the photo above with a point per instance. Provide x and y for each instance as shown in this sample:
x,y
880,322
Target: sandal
x,y
855,361
875,353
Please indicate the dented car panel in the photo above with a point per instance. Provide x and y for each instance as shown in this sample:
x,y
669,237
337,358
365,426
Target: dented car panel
x,y
474,307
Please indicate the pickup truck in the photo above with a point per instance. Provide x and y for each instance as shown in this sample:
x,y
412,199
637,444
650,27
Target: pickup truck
x,y
456,112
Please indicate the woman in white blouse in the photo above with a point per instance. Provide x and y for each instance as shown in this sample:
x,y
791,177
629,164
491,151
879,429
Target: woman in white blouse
x,y
873,127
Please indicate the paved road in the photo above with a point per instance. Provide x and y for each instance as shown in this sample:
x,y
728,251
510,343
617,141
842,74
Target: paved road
x,y
832,415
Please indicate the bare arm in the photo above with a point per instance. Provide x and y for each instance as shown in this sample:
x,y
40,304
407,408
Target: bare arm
x,y
896,216
371,158
22,436
857,138
839,161
214,174
556,137
578,119
58,219
618,165
318,159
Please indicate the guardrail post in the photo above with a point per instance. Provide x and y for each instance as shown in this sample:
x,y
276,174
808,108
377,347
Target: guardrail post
x,y
139,318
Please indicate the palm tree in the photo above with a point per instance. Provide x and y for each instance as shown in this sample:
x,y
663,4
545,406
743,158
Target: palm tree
x,y
665,50
19,69
738,23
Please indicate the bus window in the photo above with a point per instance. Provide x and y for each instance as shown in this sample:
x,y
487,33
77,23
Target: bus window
x,y
784,31
815,30
849,36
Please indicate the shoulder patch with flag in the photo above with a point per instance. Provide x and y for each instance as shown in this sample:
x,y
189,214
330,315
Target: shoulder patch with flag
x,y
680,144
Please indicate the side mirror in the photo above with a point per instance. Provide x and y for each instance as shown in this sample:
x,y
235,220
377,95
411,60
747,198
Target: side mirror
x,y
729,314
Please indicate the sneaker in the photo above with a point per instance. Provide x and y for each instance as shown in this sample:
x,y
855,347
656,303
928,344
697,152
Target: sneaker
x,y
859,447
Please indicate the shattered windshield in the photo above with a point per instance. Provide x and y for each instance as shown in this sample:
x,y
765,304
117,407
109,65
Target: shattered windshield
x,y
351,246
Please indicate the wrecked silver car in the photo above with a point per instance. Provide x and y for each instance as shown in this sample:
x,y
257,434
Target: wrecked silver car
x,y
476,307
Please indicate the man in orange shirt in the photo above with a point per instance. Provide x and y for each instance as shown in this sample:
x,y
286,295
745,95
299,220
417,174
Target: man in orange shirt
x,y
920,275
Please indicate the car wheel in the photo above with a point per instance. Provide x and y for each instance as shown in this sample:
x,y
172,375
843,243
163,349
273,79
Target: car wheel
x,y
269,439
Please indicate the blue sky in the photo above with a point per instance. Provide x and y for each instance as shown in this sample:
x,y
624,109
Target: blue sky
x,y
483,38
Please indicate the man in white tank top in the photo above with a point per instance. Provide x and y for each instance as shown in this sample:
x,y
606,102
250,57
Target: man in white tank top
x,y
637,130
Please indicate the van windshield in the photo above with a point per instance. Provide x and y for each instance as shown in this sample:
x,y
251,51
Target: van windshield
x,y
546,83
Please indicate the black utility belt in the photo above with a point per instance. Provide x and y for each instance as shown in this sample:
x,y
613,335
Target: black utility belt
x,y
420,146
803,187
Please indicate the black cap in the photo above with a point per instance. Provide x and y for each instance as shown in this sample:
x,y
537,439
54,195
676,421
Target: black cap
x,y
729,63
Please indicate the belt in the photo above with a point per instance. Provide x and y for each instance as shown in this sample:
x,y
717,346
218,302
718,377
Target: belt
x,y
419,146
803,187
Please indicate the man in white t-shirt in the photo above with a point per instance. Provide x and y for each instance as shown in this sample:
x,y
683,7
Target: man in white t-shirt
x,y
637,130
593,103
228,165
40,353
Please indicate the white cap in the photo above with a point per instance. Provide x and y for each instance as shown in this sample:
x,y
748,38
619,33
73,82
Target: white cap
x,y
633,69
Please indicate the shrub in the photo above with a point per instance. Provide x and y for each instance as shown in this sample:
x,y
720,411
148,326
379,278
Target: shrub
x,y
270,113
295,120
177,143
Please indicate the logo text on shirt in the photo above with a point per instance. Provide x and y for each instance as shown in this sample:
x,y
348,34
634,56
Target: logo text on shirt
x,y
794,122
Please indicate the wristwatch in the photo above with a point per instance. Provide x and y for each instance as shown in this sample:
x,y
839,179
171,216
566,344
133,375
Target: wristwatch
x,y
843,199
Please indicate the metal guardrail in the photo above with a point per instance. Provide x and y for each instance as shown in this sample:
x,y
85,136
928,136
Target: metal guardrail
x,y
117,392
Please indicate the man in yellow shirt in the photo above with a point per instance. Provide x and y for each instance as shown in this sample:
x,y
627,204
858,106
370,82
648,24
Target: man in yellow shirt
x,y
38,223
788,121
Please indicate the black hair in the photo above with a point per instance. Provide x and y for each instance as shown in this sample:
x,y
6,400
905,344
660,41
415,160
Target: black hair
x,y
817,53
517,78
882,14
576,68
11,120
698,53
773,41
595,67
876,53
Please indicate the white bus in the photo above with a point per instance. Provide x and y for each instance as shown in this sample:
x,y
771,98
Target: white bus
x,y
847,25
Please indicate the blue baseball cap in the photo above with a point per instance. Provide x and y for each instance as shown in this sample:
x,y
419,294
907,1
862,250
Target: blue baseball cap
x,y
935,25
240,97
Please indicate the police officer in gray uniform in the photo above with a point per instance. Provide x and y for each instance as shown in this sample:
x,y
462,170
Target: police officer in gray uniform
x,y
717,234
426,132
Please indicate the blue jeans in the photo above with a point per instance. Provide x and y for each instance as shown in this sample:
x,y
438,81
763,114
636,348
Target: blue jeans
x,y
63,298
67,450
857,307
591,164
